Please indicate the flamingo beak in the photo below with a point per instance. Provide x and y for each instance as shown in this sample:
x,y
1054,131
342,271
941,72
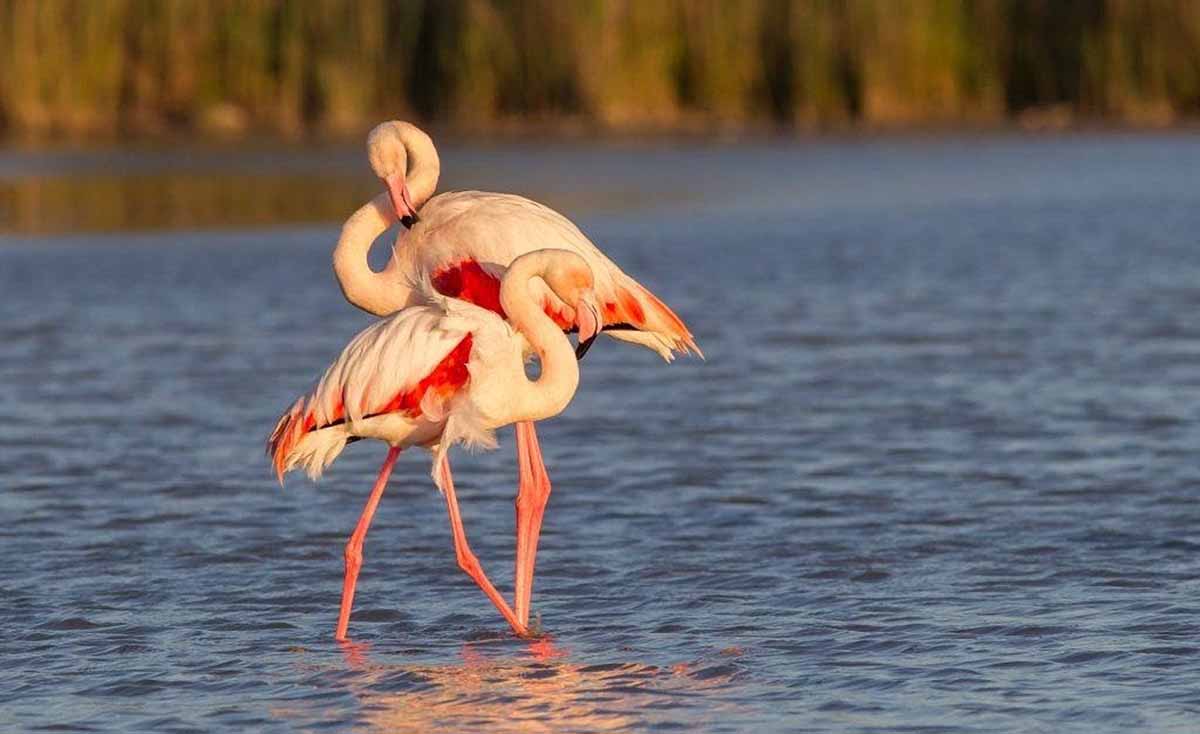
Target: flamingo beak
x,y
587,318
397,188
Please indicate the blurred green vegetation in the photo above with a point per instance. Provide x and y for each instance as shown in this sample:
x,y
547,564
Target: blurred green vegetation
x,y
145,67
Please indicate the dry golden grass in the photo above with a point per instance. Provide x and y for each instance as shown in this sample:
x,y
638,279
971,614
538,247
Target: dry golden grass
x,y
107,67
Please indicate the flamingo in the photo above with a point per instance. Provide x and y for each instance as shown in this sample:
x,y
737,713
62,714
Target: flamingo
x,y
439,373
461,242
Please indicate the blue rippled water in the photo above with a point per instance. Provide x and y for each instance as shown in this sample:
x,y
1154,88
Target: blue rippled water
x,y
937,474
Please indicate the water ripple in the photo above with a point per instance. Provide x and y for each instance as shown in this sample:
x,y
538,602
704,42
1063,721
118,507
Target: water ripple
x,y
938,474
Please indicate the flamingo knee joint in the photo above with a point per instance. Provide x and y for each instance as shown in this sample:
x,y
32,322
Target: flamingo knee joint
x,y
353,555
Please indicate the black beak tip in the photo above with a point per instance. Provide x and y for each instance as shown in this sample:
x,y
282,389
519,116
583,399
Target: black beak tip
x,y
583,348
410,220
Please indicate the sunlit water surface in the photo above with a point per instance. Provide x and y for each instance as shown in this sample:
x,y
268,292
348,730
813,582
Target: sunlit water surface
x,y
938,473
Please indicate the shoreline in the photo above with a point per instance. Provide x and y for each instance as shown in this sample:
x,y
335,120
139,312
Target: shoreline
x,y
261,183
565,132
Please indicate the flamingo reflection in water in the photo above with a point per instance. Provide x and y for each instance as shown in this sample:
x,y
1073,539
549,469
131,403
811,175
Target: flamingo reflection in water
x,y
543,688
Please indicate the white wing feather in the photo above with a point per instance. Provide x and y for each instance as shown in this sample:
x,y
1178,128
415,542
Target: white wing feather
x,y
387,358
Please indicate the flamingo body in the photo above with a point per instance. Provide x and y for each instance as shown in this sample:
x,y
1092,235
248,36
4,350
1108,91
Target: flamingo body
x,y
477,233
439,373
465,239
460,243
388,383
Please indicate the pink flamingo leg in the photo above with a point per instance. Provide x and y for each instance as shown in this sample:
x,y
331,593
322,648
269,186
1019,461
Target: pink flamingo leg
x,y
355,544
462,551
533,493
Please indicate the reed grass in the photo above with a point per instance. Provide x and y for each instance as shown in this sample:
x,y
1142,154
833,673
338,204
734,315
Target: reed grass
x,y
133,67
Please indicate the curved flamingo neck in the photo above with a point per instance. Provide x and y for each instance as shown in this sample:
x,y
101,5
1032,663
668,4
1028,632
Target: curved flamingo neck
x,y
559,378
424,165
373,292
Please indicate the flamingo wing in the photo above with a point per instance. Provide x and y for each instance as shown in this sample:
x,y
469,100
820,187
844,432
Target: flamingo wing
x,y
411,363
467,238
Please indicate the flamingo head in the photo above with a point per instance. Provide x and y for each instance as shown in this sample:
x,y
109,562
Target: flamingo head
x,y
389,160
587,318
571,280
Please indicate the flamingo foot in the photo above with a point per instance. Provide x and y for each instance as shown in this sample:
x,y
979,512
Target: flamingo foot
x,y
534,629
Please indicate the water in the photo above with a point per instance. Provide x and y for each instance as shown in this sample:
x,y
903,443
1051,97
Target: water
x,y
937,474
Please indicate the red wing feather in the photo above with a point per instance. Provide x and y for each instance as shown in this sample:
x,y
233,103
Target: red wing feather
x,y
469,282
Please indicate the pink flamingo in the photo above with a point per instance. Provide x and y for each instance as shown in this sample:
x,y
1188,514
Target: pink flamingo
x,y
440,373
461,242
